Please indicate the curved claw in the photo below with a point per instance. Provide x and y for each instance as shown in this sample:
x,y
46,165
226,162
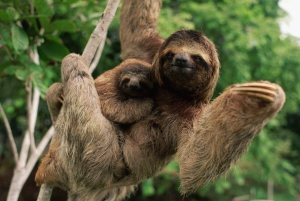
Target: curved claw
x,y
61,99
264,91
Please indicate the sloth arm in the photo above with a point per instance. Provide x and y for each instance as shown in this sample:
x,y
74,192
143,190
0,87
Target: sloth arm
x,y
138,33
80,124
54,98
224,130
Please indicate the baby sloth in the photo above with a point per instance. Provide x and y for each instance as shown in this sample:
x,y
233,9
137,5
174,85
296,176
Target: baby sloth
x,y
125,92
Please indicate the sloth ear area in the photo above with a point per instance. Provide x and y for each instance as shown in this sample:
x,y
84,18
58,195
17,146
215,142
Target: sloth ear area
x,y
156,69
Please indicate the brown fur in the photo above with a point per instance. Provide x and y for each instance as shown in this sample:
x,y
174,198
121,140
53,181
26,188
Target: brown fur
x,y
125,92
208,137
138,29
211,136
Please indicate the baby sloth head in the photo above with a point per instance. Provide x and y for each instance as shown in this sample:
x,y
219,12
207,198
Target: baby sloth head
x,y
188,63
135,79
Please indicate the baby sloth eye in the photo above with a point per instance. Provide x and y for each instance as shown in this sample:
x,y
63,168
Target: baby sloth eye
x,y
125,80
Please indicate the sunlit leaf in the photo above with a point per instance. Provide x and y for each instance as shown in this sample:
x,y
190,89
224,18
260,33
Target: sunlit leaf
x,y
22,73
19,39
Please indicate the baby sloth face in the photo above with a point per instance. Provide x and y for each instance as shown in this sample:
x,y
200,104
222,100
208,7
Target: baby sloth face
x,y
135,81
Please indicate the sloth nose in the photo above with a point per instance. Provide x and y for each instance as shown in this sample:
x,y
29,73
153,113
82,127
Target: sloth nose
x,y
134,85
180,60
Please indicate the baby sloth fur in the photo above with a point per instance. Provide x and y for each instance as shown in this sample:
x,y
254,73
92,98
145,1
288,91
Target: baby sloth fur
x,y
125,92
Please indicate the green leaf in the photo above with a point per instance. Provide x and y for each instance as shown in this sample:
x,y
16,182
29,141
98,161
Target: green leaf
x,y
11,13
22,74
33,67
43,8
61,25
19,39
147,188
4,66
38,83
11,70
5,35
54,51
4,16
53,38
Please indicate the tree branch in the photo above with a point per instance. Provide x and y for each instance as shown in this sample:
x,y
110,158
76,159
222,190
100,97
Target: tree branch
x,y
32,101
34,107
45,193
29,111
10,136
98,55
24,150
98,34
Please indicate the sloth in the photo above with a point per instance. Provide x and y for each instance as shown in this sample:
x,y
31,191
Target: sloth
x,y
125,92
208,136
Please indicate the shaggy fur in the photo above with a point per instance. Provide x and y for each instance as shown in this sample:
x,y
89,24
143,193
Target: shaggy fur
x,y
138,34
125,92
86,156
211,136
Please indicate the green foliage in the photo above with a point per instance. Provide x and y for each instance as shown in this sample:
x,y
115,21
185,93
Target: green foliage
x,y
250,47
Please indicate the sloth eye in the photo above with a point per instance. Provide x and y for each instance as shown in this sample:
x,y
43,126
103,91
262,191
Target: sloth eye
x,y
125,80
169,55
197,58
200,61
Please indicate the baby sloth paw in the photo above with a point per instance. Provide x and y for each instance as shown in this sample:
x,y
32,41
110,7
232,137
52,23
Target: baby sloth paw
x,y
262,90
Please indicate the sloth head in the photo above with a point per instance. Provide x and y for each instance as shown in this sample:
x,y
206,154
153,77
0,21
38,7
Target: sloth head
x,y
187,63
135,78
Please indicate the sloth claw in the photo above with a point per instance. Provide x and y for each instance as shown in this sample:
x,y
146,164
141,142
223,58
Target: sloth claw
x,y
61,99
264,91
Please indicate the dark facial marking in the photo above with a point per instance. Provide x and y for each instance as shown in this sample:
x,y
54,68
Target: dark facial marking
x,y
169,56
199,60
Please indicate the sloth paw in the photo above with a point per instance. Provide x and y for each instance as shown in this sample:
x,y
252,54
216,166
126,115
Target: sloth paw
x,y
262,90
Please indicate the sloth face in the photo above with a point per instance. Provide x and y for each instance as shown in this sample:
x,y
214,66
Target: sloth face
x,y
188,62
136,85
134,78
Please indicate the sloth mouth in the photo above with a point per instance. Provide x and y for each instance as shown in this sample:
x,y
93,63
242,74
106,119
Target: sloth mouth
x,y
182,69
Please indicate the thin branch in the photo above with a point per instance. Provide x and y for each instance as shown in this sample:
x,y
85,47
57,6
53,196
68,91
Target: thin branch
x,y
97,56
35,156
29,111
31,7
10,136
34,107
24,150
98,34
45,193
32,102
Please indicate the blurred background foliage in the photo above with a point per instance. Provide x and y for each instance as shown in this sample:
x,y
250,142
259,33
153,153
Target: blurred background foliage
x,y
250,45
